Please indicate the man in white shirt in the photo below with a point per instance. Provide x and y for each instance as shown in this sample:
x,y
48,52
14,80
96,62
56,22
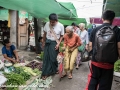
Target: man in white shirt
x,y
53,35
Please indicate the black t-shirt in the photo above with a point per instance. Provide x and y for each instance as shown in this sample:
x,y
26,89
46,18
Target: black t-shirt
x,y
92,36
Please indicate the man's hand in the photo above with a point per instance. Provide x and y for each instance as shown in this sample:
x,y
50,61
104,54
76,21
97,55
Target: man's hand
x,y
56,47
63,48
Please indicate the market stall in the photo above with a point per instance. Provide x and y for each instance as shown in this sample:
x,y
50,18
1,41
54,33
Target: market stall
x,y
22,76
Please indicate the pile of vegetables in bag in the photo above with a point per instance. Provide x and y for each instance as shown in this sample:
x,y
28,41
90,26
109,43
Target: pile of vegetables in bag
x,y
34,65
117,66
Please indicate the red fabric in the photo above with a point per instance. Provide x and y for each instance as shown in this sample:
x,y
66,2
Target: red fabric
x,y
89,78
60,69
116,21
103,65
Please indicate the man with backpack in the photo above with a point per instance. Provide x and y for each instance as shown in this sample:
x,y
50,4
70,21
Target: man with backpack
x,y
105,47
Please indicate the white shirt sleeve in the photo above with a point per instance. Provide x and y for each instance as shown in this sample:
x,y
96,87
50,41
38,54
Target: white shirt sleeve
x,y
62,30
87,39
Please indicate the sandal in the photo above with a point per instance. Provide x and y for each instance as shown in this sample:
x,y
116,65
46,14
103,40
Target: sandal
x,y
44,77
77,67
57,72
64,75
70,77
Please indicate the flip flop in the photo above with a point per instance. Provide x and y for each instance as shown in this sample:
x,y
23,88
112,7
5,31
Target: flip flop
x,y
70,77
57,72
44,77
77,68
64,75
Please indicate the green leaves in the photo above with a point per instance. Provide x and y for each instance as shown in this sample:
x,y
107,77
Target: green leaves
x,y
24,74
14,79
117,66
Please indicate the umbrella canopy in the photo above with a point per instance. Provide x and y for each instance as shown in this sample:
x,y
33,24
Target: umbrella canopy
x,y
40,8
113,5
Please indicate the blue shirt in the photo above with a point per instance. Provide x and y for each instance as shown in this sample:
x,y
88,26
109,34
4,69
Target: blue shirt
x,y
10,52
89,32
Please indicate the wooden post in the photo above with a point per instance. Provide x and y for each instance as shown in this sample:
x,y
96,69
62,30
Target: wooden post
x,y
36,34
37,26
13,27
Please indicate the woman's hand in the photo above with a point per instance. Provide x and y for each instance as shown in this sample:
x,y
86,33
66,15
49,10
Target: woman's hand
x,y
71,49
63,48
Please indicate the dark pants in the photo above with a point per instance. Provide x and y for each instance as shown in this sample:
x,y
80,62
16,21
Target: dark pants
x,y
100,79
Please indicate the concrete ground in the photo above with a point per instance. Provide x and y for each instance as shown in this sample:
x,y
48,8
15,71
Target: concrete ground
x,y
79,76
78,82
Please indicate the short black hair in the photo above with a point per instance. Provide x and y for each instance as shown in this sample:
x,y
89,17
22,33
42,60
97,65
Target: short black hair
x,y
74,24
39,39
108,15
53,16
6,41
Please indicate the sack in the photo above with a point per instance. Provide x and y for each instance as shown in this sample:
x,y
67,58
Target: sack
x,y
81,48
105,49
85,56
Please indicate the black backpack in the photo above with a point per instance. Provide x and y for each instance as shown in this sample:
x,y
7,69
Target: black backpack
x,y
105,46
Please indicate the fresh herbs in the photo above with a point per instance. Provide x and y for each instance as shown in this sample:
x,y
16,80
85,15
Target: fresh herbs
x,y
14,79
25,75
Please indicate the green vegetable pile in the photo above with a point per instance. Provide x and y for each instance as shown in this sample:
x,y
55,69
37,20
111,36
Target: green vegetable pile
x,y
61,45
24,74
41,55
37,71
14,79
19,76
117,66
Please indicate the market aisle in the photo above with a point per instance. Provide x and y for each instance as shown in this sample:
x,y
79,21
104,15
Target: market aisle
x,y
78,82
